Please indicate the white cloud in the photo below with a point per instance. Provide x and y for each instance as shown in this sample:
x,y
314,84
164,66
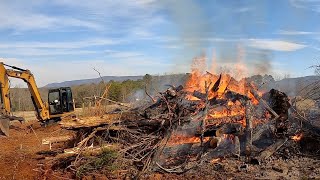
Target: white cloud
x,y
17,18
313,5
122,54
243,9
285,32
33,48
61,44
57,71
32,52
275,45
171,46
100,15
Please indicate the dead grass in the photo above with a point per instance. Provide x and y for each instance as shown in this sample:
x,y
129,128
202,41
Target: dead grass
x,y
97,111
31,115
305,104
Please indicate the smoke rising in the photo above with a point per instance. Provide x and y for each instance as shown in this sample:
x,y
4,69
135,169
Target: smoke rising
x,y
198,32
193,27
261,61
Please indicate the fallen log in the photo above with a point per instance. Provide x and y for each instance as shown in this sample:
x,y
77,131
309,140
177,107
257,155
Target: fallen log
x,y
115,102
92,151
50,140
272,149
95,121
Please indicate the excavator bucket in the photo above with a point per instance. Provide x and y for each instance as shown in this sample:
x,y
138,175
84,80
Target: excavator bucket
x,y
4,125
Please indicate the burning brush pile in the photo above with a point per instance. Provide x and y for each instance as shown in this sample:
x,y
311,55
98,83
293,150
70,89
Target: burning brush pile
x,y
210,117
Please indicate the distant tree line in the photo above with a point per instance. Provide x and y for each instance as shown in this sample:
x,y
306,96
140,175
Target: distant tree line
x,y
125,91
133,90
118,91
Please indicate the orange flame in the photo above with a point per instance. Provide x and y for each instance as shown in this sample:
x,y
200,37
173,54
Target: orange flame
x,y
213,161
177,139
199,78
297,137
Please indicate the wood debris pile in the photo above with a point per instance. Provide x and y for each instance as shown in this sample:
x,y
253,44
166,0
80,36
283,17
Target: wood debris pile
x,y
211,117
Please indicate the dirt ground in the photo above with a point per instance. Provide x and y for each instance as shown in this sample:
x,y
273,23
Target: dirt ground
x,y
229,169
18,158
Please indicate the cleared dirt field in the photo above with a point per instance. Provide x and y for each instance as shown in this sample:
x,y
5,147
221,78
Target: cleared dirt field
x,y
18,158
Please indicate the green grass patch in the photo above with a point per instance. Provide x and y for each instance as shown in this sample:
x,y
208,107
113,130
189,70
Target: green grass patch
x,y
106,160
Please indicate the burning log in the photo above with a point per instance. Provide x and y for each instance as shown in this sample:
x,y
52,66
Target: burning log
x,y
233,96
249,119
205,112
199,95
263,102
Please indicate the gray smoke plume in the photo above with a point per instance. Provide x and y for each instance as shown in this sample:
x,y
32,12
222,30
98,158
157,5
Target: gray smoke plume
x,y
197,33
193,27
261,61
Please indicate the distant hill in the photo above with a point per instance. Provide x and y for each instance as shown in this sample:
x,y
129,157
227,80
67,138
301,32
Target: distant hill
x,y
291,86
299,85
89,81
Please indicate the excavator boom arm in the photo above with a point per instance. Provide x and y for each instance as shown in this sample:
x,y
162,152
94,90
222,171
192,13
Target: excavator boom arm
x,y
27,76
40,107
5,99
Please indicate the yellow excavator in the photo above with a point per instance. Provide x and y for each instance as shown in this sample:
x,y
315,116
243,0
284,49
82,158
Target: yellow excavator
x,y
60,102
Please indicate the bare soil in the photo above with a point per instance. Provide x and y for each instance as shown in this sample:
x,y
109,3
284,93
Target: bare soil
x,y
18,158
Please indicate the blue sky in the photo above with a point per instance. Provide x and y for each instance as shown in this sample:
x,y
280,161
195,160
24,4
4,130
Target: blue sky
x,y
62,40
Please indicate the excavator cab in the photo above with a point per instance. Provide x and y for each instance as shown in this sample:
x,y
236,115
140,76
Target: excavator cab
x,y
60,101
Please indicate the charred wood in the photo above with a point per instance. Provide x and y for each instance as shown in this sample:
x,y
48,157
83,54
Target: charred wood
x,y
233,96
248,133
272,149
224,120
263,102
230,128
279,102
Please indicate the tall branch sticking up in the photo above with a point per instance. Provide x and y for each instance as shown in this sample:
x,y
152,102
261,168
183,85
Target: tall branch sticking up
x,y
145,90
102,80
249,119
203,124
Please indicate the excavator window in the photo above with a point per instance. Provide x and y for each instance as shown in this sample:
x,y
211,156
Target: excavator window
x,y
69,100
54,102
60,100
